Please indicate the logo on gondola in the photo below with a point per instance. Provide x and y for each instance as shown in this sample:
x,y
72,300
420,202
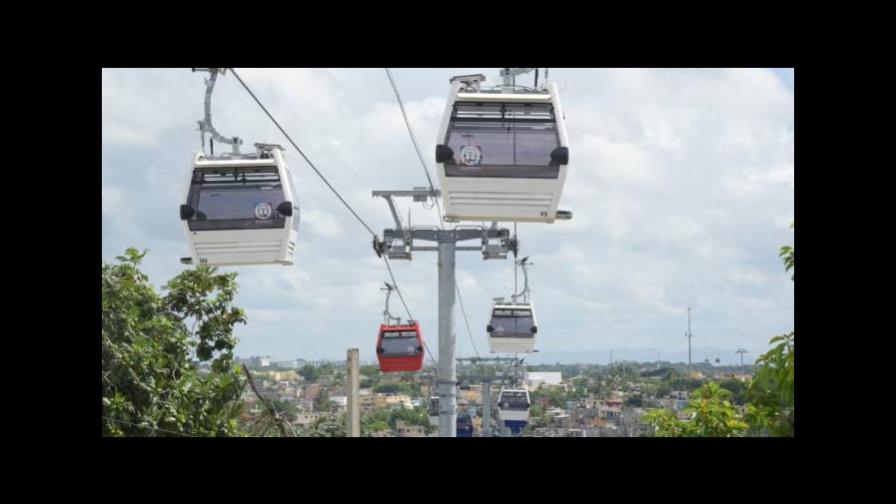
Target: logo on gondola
x,y
263,211
470,155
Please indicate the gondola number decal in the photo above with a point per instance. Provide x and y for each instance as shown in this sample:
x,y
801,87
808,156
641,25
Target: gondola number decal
x,y
263,211
470,155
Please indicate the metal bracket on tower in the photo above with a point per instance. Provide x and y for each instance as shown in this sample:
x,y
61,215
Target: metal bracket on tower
x,y
492,250
398,243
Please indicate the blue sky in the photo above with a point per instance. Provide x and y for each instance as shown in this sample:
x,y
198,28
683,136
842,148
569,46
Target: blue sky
x,y
681,183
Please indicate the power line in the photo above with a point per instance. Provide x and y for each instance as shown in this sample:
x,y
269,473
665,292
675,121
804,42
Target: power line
x,y
319,174
466,321
333,189
407,123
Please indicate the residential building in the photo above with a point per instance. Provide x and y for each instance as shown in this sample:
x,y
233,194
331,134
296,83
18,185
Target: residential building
x,y
307,418
404,430
340,400
537,379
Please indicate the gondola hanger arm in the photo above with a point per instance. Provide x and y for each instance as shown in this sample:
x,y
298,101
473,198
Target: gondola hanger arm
x,y
205,125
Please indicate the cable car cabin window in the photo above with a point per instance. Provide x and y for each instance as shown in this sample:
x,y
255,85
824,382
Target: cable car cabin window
x,y
515,401
236,198
512,323
400,344
502,141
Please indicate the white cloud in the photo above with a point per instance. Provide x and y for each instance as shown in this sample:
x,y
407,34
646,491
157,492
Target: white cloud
x,y
322,223
681,184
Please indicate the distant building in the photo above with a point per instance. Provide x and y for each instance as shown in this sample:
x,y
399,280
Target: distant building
x,y
610,409
311,391
340,400
283,376
404,430
258,361
537,379
370,402
307,418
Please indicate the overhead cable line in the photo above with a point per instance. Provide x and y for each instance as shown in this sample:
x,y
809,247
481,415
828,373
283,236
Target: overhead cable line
x,y
333,189
407,123
319,174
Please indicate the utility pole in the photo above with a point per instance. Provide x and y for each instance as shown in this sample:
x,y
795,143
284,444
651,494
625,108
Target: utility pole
x,y
398,243
447,338
742,351
486,408
353,419
689,338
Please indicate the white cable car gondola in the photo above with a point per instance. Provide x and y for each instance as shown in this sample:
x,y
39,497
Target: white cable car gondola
x,y
239,209
502,156
513,406
512,328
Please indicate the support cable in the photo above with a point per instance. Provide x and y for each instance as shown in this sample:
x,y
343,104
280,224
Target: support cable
x,y
333,189
407,123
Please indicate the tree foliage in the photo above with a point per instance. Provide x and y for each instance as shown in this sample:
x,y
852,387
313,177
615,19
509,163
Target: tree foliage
x,y
385,419
309,373
770,395
786,254
151,386
771,391
713,416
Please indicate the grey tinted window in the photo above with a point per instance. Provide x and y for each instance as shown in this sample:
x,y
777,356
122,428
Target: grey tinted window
x,y
236,198
515,400
399,346
502,141
512,323
219,203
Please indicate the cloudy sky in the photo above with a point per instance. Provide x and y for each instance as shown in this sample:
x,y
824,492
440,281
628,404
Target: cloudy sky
x,y
681,183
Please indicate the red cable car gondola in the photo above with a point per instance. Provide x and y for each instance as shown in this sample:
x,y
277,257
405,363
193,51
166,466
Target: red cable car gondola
x,y
400,347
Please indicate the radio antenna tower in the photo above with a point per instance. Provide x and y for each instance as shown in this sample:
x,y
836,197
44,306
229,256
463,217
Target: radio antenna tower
x,y
688,336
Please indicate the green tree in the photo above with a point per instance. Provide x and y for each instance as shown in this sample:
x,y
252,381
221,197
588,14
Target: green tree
x,y
386,388
369,370
309,373
150,385
713,416
786,254
635,401
771,389
329,426
737,388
